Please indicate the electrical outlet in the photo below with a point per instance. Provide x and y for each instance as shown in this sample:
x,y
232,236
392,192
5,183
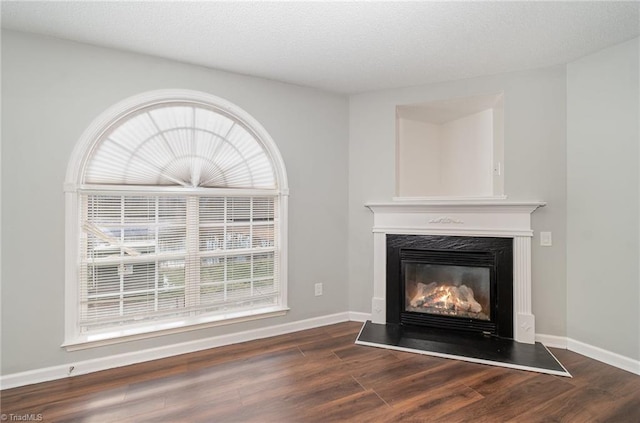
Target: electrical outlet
x,y
318,289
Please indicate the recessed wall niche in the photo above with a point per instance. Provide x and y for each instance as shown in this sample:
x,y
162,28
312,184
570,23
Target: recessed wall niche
x,y
451,148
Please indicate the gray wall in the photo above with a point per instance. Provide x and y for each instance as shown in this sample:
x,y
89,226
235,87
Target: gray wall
x,y
339,154
603,193
53,89
534,138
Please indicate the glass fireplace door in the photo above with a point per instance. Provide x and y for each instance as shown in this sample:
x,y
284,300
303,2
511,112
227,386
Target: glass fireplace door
x,y
447,290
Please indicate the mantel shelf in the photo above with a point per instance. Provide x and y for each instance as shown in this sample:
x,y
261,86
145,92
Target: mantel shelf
x,y
460,205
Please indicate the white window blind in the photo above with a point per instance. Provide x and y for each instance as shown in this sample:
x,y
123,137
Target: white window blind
x,y
181,145
179,210
146,257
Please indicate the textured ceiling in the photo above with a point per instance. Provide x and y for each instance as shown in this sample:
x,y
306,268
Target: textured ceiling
x,y
346,47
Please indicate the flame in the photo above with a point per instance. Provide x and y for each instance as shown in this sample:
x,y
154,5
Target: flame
x,y
445,297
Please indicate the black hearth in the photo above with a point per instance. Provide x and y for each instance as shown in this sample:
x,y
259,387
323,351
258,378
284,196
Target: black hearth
x,y
451,282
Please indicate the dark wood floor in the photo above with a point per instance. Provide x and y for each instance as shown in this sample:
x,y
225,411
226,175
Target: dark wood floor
x,y
319,375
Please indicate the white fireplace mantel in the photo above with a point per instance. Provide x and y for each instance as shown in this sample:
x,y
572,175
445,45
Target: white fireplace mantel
x,y
460,217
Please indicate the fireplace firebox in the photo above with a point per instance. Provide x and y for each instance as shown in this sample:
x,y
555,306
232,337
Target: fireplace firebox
x,y
451,282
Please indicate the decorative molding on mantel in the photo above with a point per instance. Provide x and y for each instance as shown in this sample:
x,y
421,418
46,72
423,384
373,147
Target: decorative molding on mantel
x,y
446,220
451,230
449,198
496,217
455,206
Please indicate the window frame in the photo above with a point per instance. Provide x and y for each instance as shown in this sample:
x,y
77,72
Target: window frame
x,y
74,188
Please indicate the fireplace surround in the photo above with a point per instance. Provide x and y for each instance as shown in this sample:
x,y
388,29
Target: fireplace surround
x,y
478,218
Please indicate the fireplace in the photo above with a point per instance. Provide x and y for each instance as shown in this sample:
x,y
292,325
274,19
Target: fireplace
x,y
495,219
450,282
448,270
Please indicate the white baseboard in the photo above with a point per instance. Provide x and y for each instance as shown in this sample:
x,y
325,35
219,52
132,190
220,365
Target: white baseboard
x,y
356,316
608,357
596,353
110,362
552,341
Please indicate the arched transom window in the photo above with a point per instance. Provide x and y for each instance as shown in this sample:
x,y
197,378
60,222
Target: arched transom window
x,y
177,207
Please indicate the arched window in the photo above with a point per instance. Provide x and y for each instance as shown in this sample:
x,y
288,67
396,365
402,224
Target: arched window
x,y
176,219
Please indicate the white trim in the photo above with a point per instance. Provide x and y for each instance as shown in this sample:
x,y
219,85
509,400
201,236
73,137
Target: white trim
x,y
607,357
449,198
283,228
524,322
378,302
355,316
487,232
94,365
169,190
552,341
456,205
595,353
152,330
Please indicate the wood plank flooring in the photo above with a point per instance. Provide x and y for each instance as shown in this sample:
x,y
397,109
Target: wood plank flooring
x,y
320,375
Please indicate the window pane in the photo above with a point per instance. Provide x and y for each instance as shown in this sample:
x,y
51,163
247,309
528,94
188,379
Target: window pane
x,y
172,210
263,265
265,286
171,274
102,280
138,277
212,293
212,270
135,131
212,238
139,303
238,237
238,209
263,209
172,239
212,210
171,299
138,240
239,290
212,122
173,117
139,209
104,209
263,236
97,309
239,267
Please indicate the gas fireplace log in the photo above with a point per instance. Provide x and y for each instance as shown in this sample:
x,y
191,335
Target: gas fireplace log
x,y
468,298
445,296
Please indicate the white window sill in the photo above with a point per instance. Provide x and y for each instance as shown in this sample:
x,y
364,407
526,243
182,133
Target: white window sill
x,y
152,330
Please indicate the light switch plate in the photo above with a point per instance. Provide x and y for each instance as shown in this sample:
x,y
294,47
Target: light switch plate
x,y
545,239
